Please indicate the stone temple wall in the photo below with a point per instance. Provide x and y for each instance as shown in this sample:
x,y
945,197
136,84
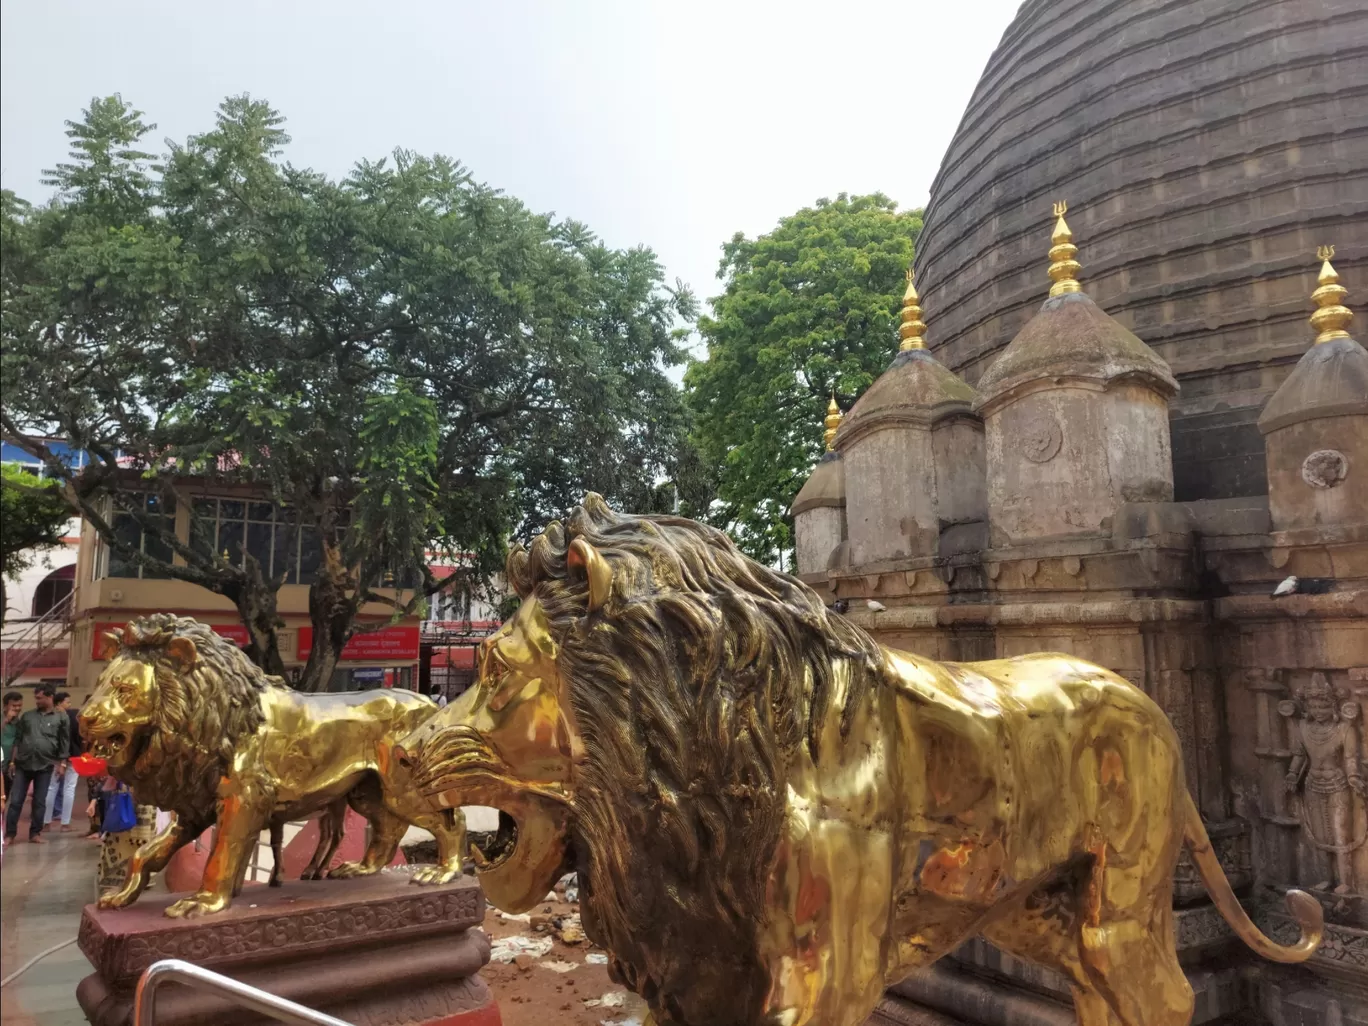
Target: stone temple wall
x,y
1205,146
1178,599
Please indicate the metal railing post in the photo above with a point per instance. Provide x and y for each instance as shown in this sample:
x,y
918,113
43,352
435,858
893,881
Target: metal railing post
x,y
174,970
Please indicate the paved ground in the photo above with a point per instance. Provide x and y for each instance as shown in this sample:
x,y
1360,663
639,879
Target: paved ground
x,y
42,891
43,888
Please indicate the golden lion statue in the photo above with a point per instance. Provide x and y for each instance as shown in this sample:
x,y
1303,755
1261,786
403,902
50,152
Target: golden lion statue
x,y
192,726
773,817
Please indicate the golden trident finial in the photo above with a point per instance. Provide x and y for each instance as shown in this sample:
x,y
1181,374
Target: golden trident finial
x,y
832,422
1063,267
912,330
1331,317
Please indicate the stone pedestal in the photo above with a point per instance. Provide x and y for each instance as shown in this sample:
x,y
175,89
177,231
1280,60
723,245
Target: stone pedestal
x,y
374,952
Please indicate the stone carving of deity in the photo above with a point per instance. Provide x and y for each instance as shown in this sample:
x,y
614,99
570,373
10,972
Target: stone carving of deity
x,y
1325,771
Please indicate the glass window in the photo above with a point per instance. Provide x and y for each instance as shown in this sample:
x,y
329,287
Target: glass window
x,y
204,526
310,556
285,553
230,540
126,530
129,531
259,539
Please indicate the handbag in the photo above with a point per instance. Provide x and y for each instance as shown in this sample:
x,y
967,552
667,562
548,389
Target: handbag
x,y
120,813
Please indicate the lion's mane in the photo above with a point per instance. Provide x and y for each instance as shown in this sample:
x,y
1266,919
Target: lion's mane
x,y
202,713
692,686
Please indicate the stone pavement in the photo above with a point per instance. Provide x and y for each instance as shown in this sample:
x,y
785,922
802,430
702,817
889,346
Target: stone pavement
x,y
43,888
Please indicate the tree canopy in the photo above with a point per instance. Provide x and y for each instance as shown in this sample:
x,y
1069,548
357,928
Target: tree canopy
x,y
33,517
808,311
404,360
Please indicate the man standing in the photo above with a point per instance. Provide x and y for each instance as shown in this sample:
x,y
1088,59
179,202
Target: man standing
x,y
14,705
40,746
62,793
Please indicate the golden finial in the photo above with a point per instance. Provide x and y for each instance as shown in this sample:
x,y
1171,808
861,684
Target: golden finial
x,y
832,422
1331,317
912,331
1063,267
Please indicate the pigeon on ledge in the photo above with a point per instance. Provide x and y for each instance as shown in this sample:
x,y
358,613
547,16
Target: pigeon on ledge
x,y
875,607
1288,587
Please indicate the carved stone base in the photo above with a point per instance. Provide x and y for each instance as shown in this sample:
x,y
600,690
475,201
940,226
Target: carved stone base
x,y
1296,996
982,986
373,952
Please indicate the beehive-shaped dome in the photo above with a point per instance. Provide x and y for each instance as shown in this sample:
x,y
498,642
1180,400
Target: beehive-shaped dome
x,y
913,454
1206,146
1316,424
819,509
1076,415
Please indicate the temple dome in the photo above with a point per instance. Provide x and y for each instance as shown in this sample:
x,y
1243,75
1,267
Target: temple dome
x,y
1072,338
916,389
825,487
1331,380
1208,148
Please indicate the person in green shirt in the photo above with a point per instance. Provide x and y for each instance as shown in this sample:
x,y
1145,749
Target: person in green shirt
x,y
41,746
14,705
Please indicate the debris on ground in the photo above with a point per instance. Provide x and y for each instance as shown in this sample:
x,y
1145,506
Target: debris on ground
x,y
576,973
613,999
510,949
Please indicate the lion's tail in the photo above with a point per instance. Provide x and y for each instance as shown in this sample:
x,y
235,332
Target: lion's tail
x,y
1304,908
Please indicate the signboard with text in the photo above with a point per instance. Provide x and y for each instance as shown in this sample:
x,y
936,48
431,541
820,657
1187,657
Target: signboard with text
x,y
388,644
234,632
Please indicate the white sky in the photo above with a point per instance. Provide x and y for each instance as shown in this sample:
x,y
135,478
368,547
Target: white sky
x,y
672,125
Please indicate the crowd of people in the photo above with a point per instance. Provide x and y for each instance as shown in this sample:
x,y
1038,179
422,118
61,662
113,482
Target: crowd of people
x,y
37,747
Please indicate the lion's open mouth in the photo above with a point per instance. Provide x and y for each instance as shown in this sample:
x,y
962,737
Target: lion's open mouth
x,y
494,849
109,746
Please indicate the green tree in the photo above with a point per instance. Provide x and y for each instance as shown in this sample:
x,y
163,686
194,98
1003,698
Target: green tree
x,y
404,359
808,310
33,517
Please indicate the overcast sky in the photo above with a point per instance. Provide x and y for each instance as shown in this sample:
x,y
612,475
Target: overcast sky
x,y
669,124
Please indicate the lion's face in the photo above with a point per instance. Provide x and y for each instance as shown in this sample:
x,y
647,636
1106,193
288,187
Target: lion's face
x,y
122,711
509,742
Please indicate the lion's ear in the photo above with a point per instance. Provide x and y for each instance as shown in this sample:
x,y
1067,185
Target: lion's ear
x,y
182,651
516,571
110,643
584,556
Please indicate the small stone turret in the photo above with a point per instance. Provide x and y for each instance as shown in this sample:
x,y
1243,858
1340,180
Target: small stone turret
x,y
1316,424
819,511
913,453
1076,416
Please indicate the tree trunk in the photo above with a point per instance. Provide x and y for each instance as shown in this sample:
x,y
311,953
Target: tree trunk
x,y
333,600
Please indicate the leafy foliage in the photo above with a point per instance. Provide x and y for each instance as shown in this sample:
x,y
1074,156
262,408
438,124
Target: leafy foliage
x,y
808,311
405,359
33,517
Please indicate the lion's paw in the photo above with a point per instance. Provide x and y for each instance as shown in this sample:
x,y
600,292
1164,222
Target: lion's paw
x,y
196,905
117,899
428,875
348,870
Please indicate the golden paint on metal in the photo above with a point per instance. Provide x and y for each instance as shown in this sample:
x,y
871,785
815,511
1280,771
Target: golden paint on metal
x,y
1063,267
912,330
832,423
773,817
183,718
1332,317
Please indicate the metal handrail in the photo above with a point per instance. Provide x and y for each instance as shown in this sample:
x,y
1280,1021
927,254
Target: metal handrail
x,y
30,642
170,970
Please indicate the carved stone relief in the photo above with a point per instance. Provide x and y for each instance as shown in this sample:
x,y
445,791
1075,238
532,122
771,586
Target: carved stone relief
x,y
1040,438
1323,774
1325,468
